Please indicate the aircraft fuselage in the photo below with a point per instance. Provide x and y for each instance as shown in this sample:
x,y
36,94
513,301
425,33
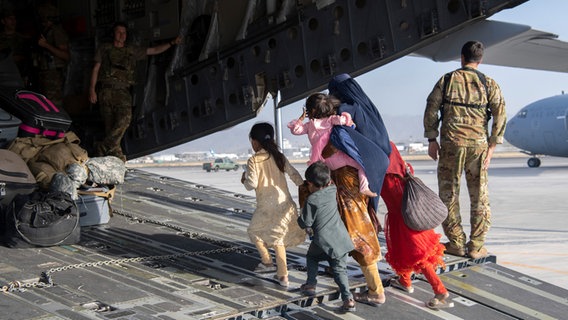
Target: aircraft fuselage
x,y
541,127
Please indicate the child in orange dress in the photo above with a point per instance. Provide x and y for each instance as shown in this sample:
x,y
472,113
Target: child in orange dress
x,y
409,250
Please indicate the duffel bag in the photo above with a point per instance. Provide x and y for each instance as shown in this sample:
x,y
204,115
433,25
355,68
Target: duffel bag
x,y
422,208
42,219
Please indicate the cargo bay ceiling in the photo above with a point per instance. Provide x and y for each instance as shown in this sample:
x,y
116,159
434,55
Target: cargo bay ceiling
x,y
237,52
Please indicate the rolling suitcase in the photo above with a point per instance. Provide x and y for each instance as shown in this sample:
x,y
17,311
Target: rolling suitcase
x,y
38,114
8,128
15,177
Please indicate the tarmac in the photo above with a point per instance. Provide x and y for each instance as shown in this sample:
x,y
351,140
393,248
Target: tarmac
x,y
529,231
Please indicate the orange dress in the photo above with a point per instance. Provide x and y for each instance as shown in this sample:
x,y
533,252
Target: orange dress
x,y
357,216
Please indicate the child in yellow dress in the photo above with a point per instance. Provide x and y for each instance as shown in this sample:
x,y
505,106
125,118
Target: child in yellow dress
x,y
273,224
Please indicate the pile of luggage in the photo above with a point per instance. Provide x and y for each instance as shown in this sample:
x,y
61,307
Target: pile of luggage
x,y
49,186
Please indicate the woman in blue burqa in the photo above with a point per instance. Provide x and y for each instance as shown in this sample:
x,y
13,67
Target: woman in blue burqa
x,y
368,143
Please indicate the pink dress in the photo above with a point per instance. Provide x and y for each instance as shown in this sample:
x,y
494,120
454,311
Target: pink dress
x,y
319,131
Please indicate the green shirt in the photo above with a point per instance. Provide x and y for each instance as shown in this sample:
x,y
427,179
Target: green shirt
x,y
55,36
465,126
118,65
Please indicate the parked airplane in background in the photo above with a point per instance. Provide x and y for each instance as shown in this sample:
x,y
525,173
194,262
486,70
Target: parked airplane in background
x,y
541,128
223,155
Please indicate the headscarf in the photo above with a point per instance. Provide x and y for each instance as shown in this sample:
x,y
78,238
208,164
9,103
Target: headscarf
x,y
368,143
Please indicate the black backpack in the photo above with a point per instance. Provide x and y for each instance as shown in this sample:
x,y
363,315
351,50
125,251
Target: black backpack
x,y
445,100
41,219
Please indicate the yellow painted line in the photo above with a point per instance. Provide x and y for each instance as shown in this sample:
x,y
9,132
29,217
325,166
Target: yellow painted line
x,y
419,304
528,266
496,298
529,253
495,274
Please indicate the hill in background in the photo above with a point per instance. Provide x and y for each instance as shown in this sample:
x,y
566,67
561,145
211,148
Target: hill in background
x,y
402,130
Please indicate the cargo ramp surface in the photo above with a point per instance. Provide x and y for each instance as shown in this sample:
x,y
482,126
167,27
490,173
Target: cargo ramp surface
x,y
179,250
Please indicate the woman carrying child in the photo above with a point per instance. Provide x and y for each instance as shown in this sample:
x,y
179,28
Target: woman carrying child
x,y
273,224
368,143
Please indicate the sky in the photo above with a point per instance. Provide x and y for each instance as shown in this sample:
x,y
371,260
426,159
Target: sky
x,y
400,88
406,82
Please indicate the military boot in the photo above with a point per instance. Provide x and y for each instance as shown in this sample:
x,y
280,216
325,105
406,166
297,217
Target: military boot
x,y
454,250
477,253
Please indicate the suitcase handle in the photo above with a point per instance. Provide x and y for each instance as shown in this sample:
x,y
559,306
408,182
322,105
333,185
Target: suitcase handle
x,y
45,103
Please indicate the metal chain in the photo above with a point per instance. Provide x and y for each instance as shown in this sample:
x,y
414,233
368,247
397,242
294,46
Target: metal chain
x,y
191,235
46,281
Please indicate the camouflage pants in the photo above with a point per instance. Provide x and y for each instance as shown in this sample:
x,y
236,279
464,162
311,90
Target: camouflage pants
x,y
50,84
453,161
116,111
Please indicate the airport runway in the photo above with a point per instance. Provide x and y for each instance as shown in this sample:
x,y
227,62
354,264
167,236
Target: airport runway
x,y
529,232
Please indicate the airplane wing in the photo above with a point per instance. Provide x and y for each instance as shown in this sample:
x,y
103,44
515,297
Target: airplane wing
x,y
507,44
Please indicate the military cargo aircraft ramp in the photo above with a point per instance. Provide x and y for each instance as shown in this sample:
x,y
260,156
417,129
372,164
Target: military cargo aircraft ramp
x,y
179,250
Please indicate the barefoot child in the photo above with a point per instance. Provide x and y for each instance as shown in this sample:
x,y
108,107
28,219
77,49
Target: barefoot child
x,y
273,224
320,109
330,241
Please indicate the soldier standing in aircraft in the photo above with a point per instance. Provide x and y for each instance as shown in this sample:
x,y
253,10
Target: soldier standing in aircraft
x,y
115,66
467,99
53,55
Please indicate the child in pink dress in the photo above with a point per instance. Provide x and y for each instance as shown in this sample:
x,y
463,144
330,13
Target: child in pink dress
x,y
320,109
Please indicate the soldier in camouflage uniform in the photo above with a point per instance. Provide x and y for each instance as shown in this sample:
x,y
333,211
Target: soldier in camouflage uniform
x,y
52,58
114,69
465,145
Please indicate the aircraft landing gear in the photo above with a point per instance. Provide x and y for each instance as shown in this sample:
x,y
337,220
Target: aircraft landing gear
x,y
534,162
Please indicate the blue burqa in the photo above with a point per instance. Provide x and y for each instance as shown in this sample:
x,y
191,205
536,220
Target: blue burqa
x,y
368,143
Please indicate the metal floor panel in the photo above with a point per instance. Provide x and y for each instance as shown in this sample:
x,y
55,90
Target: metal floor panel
x,y
510,292
414,305
166,255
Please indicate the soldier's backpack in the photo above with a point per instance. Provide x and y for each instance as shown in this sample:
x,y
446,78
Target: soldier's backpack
x,y
38,114
447,78
41,219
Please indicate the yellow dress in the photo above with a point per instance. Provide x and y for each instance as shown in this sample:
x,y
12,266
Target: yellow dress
x,y
275,219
